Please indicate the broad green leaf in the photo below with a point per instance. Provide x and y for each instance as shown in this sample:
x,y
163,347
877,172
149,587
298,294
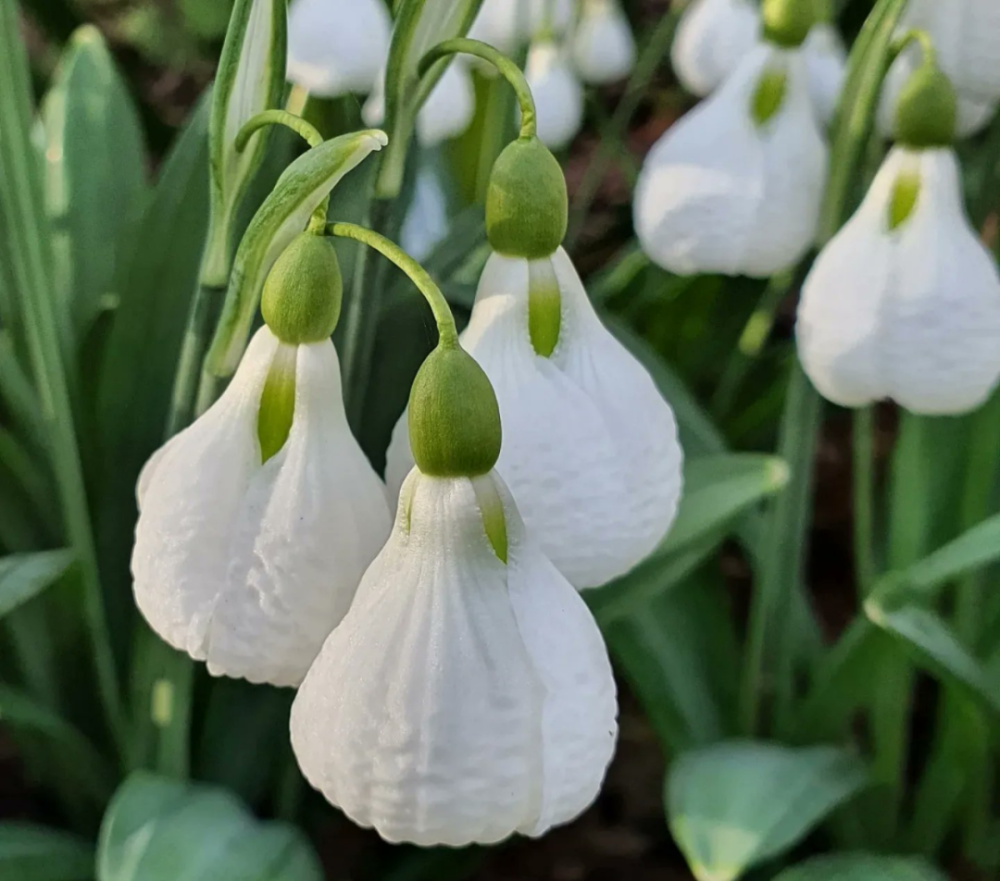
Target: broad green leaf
x,y
160,830
95,176
284,214
862,867
420,26
933,645
733,805
36,853
250,80
25,576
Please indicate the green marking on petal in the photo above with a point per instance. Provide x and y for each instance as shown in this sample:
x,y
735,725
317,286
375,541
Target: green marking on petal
x,y
769,95
277,402
544,307
494,519
905,192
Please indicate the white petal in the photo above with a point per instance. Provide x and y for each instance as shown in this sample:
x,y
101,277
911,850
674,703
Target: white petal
x,y
509,24
912,314
826,62
426,223
249,567
189,502
337,46
603,46
449,108
558,95
315,515
590,447
712,39
719,194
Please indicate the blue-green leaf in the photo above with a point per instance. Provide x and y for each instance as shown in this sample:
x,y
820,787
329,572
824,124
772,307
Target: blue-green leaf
x,y
24,576
35,853
862,867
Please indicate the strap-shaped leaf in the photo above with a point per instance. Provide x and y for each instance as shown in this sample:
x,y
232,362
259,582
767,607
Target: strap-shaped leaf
x,y
420,25
36,853
24,576
862,867
284,214
251,79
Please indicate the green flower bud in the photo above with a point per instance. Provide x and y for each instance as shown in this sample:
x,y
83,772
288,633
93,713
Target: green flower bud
x,y
926,110
527,207
454,418
304,291
788,22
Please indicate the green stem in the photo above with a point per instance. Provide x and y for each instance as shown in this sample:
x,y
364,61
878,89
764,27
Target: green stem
x,y
508,70
645,69
27,229
915,35
447,331
277,117
864,500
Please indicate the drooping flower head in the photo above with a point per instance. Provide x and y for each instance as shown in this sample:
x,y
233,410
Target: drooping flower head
x,y
257,522
904,302
337,47
590,451
508,25
712,38
735,186
558,94
467,695
603,46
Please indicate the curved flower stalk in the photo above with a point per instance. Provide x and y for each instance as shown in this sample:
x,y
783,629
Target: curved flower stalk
x,y
447,112
467,695
337,47
257,522
735,186
713,37
558,94
603,47
966,35
904,302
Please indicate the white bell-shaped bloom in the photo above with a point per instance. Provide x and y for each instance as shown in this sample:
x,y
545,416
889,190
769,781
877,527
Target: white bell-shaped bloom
x,y
590,447
966,38
509,24
558,94
722,192
426,222
910,313
336,47
712,38
826,64
249,566
462,699
603,46
447,112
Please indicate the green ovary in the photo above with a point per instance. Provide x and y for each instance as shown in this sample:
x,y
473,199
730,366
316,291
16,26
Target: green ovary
x,y
277,402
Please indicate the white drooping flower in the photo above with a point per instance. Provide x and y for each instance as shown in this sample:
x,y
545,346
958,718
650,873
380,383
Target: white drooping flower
x,y
558,94
966,37
509,24
590,447
426,222
735,186
245,564
904,302
712,38
336,47
464,698
603,46
826,65
447,112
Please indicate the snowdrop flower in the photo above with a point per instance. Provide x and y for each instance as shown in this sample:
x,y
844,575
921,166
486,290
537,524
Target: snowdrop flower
x,y
467,695
904,302
712,38
966,35
826,66
447,112
258,521
590,448
509,24
558,94
336,47
603,46
426,222
735,186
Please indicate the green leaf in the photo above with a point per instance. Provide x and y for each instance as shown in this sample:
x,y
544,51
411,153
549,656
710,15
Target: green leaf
x,y
733,805
973,550
161,830
862,867
284,214
420,26
95,177
35,853
25,576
